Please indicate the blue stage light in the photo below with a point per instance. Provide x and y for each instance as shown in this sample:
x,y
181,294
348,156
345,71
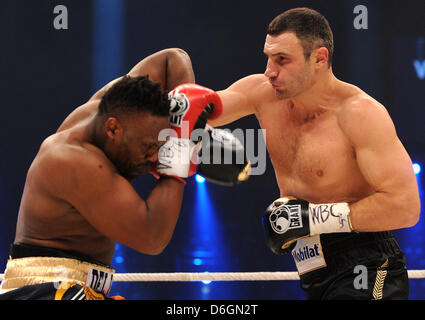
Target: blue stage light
x,y
200,179
108,42
119,259
416,168
197,262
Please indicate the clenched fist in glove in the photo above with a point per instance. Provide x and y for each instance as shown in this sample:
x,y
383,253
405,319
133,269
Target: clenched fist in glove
x,y
190,107
289,219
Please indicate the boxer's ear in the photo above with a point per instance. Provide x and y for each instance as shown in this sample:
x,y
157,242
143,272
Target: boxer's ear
x,y
320,57
113,129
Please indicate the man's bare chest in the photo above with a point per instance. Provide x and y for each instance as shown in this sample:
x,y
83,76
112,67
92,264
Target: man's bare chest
x,y
314,151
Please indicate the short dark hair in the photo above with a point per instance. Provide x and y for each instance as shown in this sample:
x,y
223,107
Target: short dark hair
x,y
135,94
310,26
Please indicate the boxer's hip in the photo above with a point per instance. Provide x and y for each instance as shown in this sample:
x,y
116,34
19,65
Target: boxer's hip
x,y
33,265
342,249
325,260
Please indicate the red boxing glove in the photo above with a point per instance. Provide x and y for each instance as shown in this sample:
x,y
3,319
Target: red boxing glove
x,y
191,106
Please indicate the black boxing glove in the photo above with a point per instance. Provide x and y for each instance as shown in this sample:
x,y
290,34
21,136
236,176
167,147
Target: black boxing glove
x,y
289,219
222,158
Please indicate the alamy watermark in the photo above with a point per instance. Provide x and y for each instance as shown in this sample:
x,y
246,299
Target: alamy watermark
x,y
238,145
361,20
60,21
360,281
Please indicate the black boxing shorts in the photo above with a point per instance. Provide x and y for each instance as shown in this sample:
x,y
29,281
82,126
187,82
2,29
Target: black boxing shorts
x,y
38,273
352,266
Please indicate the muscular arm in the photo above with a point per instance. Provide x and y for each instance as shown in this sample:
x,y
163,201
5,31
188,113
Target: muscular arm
x,y
385,165
240,99
169,67
105,199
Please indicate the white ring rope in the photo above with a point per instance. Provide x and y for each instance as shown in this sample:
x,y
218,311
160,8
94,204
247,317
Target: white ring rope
x,y
206,276
221,276
225,276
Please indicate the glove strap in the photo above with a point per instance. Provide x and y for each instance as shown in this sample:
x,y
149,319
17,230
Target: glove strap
x,y
174,158
329,218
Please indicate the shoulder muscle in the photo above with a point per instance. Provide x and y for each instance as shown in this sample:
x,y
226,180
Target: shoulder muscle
x,y
365,122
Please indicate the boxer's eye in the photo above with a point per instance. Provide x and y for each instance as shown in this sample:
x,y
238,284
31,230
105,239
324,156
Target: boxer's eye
x,y
145,147
151,146
282,60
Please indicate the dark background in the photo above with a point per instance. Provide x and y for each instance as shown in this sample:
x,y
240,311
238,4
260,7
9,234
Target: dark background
x,y
46,73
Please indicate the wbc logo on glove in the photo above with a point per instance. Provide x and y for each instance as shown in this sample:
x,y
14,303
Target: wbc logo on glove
x,y
286,217
179,104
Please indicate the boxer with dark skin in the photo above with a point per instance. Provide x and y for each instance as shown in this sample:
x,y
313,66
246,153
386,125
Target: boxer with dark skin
x,y
78,195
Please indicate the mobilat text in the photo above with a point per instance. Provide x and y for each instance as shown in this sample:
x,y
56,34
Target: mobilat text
x,y
306,253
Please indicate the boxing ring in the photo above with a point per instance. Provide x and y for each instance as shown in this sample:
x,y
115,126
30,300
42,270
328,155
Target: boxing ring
x,y
220,276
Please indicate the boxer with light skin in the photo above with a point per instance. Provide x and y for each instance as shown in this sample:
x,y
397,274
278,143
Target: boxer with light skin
x,y
335,153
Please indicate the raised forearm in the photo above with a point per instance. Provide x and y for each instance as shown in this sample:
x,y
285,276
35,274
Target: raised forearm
x,y
163,210
169,67
178,69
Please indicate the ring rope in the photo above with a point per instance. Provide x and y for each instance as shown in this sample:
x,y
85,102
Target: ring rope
x,y
221,276
225,276
207,276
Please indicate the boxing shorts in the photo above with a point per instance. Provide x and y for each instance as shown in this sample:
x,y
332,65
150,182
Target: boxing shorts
x,y
352,266
39,273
